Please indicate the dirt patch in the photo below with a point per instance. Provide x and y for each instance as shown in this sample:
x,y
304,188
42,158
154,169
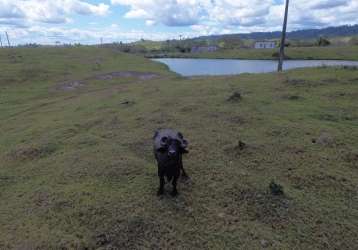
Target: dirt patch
x,y
14,58
76,84
329,80
344,95
160,119
143,149
296,81
90,124
322,181
189,108
236,120
327,117
113,124
69,86
32,152
137,233
126,74
259,205
325,139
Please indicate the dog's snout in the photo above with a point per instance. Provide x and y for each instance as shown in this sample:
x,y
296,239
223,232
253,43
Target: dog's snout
x,y
171,152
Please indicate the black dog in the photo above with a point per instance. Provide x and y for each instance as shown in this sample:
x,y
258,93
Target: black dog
x,y
169,146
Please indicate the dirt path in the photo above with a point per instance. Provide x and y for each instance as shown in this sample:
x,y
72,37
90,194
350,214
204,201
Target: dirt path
x,y
73,85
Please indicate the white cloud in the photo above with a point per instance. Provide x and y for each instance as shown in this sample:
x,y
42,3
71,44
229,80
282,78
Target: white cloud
x,y
168,12
242,15
34,20
44,34
48,11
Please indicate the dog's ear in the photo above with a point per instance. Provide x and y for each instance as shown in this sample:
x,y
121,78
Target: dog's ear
x,y
156,133
183,145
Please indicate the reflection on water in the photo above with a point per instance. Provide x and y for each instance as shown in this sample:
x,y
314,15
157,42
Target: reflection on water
x,y
195,67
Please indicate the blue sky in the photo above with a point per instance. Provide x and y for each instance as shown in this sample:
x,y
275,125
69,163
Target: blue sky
x,y
86,21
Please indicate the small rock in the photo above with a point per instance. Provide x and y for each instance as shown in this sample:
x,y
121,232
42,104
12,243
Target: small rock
x,y
265,243
221,215
190,210
325,139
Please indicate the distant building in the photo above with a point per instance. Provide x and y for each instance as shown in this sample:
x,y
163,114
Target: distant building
x,y
265,45
200,49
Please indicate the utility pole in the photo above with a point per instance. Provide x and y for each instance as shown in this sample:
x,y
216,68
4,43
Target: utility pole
x,y
283,39
0,42
7,37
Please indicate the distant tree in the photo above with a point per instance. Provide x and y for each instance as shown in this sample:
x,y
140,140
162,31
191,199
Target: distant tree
x,y
323,42
354,41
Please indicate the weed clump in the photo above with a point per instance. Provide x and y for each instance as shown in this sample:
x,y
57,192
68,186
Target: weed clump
x,y
276,189
352,157
347,67
294,97
235,97
241,145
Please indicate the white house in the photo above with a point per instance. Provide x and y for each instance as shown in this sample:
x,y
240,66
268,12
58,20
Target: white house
x,y
265,45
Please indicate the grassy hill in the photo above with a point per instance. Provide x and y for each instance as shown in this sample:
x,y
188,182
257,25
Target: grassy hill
x,y
77,171
331,32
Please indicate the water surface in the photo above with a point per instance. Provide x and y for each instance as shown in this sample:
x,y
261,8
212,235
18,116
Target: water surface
x,y
197,67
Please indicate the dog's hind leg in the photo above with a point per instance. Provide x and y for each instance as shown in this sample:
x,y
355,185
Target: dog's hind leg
x,y
183,173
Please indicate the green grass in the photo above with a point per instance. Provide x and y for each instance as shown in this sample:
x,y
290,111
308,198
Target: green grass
x,y
331,52
77,171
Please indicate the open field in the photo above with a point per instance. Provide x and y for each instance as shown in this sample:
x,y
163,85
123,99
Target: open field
x,y
77,171
330,52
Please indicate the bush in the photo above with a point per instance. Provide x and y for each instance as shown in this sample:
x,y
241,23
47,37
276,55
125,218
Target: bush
x,y
354,41
323,42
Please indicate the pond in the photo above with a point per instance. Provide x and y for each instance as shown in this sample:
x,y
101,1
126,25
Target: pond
x,y
197,67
